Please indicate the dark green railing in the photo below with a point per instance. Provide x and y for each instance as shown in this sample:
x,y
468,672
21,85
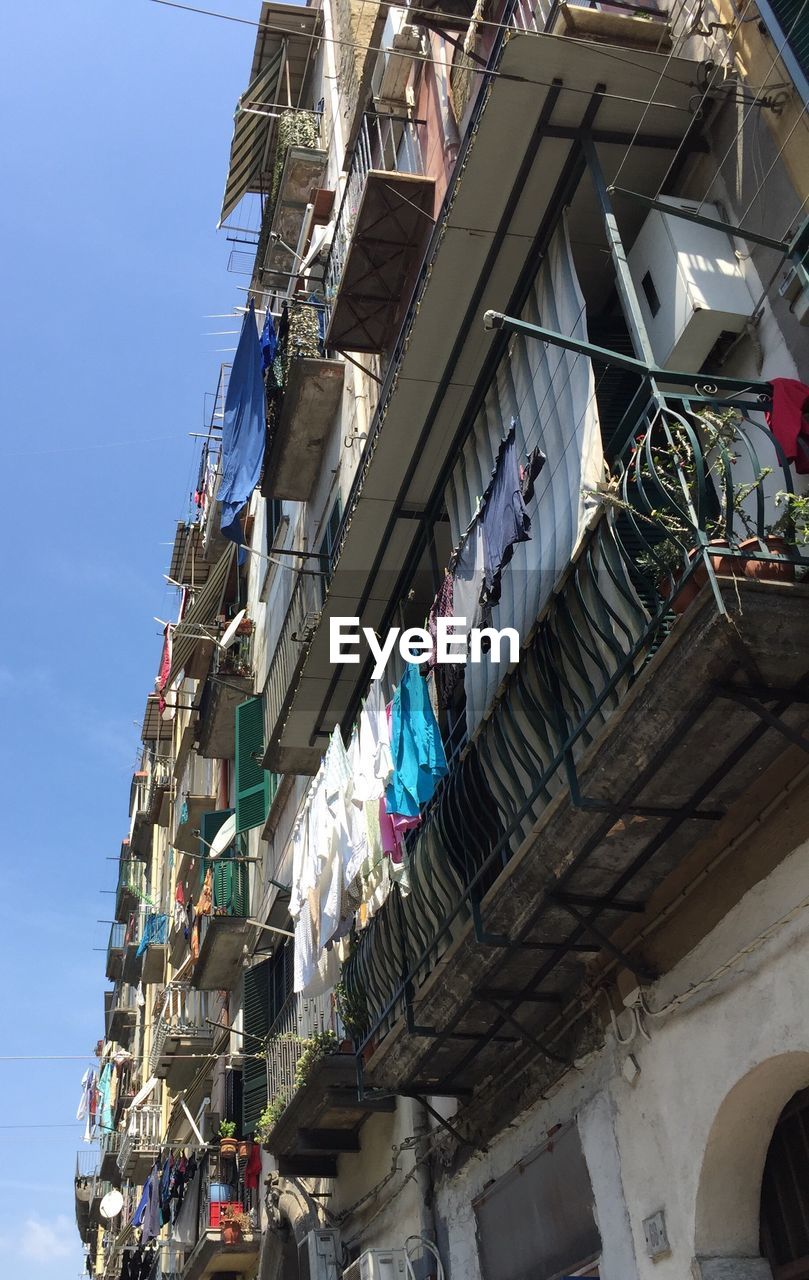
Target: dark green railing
x,y
686,481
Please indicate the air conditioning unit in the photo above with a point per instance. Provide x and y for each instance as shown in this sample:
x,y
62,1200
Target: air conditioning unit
x,y
317,1256
378,1264
393,68
690,285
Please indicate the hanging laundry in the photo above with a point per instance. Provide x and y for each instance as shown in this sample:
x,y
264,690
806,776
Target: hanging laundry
x,y
252,1172
447,674
419,761
154,931
179,907
529,470
269,340
375,763
165,666
505,519
86,1110
789,420
243,429
467,576
337,848
105,1109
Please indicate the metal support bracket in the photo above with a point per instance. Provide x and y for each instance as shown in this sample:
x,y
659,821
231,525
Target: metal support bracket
x,y
640,971
525,1034
746,699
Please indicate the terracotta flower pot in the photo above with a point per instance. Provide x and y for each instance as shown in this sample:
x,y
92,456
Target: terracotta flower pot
x,y
735,567
231,1233
228,1147
244,1149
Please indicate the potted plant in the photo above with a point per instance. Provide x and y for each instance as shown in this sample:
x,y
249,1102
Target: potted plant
x,y
245,1147
228,1145
235,1223
317,1047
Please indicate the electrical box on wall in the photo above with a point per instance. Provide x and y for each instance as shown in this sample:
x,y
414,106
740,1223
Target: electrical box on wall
x,y
378,1264
317,1256
690,286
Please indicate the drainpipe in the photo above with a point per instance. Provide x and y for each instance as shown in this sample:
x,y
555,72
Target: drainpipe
x,y
420,1128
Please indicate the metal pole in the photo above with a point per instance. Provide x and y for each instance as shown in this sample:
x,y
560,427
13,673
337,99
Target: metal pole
x,y
623,278
690,215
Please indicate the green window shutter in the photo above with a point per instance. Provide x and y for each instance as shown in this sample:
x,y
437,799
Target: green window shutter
x,y
209,825
230,887
256,1014
253,787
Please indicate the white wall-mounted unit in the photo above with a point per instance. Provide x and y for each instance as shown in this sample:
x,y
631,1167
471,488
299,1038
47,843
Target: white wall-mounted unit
x,y
378,1264
317,1256
401,45
690,285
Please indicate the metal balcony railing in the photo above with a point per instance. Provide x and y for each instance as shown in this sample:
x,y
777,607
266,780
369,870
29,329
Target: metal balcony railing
x,y
142,1134
300,622
183,1011
385,143
685,482
298,1021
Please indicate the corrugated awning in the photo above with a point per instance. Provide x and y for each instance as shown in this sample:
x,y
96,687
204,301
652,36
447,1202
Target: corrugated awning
x,y
251,133
285,46
202,613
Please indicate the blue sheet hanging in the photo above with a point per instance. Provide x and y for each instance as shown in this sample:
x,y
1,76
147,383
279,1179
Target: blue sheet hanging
x,y
243,430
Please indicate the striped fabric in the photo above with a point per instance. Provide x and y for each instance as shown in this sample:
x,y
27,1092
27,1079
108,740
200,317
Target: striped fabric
x,y
551,394
208,603
250,135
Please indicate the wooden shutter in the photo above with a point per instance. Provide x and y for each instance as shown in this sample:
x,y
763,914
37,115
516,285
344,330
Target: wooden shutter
x,y
252,782
794,24
256,1014
230,887
209,824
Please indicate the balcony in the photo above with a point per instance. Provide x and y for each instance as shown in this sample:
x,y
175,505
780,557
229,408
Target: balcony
x,y
188,566
322,1115
115,951
666,674
89,1189
300,424
131,888
298,628
224,933
109,1145
121,1013
501,201
229,683
211,1255
382,227
298,171
146,948
182,1028
140,1143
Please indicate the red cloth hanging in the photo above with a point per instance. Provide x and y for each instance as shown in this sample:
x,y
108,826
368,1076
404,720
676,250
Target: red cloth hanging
x,y
789,420
252,1171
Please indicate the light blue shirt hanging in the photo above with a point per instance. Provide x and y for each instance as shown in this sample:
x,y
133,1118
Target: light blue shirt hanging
x,y
419,760
243,430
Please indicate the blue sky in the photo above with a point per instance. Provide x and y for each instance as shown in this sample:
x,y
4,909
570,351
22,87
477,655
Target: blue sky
x,y
116,121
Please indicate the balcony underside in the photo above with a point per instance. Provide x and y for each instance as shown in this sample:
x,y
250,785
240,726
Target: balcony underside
x,y
221,953
115,963
175,1063
390,232
295,451
679,744
126,902
211,1256
322,1120
154,962
135,1164
498,210
184,838
140,843
121,1026
217,718
108,1168
581,23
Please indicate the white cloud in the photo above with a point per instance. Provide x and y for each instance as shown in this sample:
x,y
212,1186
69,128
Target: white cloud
x,y
43,1241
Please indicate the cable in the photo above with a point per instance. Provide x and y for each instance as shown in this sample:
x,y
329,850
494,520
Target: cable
x,y
799,120
487,71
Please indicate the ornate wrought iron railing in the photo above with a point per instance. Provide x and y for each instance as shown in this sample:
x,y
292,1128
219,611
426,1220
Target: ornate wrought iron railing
x,y
695,492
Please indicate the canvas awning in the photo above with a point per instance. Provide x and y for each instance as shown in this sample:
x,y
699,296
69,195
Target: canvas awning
x,y
202,613
285,46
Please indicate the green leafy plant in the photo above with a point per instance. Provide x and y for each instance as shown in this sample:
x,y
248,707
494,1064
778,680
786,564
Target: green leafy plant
x,y
270,1116
227,1129
793,523
352,1009
316,1048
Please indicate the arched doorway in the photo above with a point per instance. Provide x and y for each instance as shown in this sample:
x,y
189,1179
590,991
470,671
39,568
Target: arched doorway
x,y
785,1193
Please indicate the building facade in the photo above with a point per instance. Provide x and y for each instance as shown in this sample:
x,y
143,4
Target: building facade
x,y
491,967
